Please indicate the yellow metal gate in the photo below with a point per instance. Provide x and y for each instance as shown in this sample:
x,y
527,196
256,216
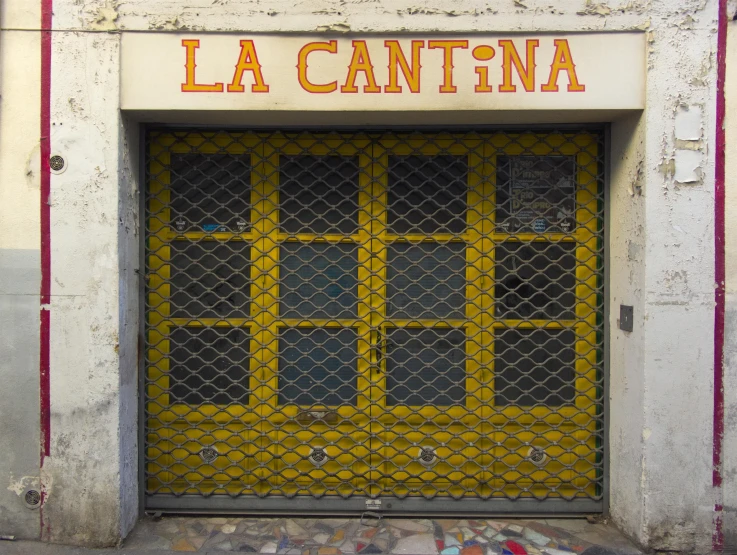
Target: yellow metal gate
x,y
404,321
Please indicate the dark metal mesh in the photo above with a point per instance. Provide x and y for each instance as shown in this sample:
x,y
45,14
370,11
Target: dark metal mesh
x,y
374,315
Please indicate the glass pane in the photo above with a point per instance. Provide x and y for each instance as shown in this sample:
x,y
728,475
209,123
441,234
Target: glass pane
x,y
536,193
318,366
535,280
208,365
318,194
426,280
534,367
210,192
427,194
425,367
210,279
319,280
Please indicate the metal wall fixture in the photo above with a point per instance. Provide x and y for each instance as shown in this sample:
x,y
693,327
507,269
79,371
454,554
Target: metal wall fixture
x,y
32,498
209,454
57,164
318,456
427,456
537,456
396,316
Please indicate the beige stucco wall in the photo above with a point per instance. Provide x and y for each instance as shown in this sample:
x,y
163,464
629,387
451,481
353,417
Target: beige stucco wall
x,y
660,240
20,57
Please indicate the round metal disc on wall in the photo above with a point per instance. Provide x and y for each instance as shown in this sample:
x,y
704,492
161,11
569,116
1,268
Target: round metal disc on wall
x,y
318,456
427,456
32,498
57,164
537,456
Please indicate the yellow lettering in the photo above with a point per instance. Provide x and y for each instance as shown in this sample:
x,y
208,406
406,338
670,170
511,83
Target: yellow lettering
x,y
483,53
397,59
526,72
563,61
447,46
248,61
306,50
190,85
361,61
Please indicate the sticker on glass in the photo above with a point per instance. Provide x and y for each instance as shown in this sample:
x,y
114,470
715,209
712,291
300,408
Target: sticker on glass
x,y
536,193
210,228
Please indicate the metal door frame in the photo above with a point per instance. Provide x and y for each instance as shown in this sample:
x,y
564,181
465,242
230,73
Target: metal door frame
x,y
389,506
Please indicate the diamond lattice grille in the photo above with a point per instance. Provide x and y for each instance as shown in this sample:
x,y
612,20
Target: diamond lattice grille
x,y
374,315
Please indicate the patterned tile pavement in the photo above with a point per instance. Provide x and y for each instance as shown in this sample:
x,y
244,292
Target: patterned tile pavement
x,y
339,536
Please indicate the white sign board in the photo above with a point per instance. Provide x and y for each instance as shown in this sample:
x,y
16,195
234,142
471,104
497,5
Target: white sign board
x,y
190,71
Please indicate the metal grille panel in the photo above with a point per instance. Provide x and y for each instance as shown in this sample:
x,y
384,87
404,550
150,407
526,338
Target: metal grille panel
x,y
355,317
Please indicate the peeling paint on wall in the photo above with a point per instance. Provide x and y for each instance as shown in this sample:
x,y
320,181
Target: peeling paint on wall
x,y
104,17
688,166
688,123
166,24
18,486
598,8
335,28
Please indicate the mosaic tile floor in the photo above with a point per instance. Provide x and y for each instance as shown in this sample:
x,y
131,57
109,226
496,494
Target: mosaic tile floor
x,y
338,536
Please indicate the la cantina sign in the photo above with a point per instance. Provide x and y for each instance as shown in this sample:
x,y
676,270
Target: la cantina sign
x,y
405,70
163,71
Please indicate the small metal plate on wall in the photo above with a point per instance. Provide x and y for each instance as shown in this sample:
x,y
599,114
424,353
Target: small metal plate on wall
x,y
626,317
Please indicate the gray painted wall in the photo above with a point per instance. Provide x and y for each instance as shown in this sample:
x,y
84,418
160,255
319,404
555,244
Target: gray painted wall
x,y
19,393
20,270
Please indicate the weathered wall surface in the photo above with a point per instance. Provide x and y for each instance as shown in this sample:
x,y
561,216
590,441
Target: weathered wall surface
x,y
91,394
661,239
129,329
730,352
627,250
19,268
679,284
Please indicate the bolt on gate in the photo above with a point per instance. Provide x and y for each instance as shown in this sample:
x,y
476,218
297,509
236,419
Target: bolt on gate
x,y
404,320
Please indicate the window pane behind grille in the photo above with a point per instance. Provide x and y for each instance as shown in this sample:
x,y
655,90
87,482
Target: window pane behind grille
x,y
427,194
318,366
319,280
426,280
425,367
209,279
210,192
535,280
209,365
318,194
534,367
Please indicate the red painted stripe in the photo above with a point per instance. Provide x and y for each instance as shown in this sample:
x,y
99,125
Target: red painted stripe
x,y
45,397
45,400
719,277
45,171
